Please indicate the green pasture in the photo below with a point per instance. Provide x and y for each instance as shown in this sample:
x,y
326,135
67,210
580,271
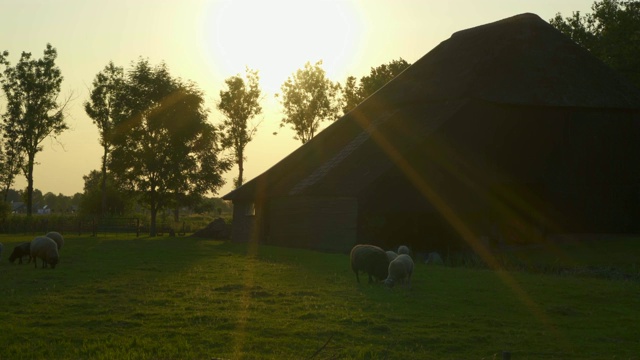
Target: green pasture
x,y
115,297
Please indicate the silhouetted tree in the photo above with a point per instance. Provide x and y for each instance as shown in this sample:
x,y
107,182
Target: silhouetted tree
x,y
101,108
353,93
120,201
33,113
163,144
611,33
239,103
308,98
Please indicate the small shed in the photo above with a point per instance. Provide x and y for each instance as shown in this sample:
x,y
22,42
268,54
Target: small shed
x,y
505,132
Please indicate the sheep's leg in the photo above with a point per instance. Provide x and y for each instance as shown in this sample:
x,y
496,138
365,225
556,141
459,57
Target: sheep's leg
x,y
357,276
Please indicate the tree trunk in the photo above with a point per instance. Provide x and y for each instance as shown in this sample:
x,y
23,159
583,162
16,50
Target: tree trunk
x,y
103,186
176,214
240,169
30,184
153,231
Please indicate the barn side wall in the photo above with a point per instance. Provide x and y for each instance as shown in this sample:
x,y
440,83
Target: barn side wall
x,y
245,221
320,223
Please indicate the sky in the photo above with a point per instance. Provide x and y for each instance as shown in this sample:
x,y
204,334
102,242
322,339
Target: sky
x,y
209,41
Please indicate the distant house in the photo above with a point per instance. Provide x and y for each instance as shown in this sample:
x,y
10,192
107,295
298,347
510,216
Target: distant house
x,y
45,210
18,207
507,132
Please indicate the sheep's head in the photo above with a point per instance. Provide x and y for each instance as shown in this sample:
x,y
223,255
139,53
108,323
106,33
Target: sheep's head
x,y
389,282
53,262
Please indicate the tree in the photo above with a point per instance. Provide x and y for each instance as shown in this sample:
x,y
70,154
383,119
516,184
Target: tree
x,y
12,160
91,202
239,103
163,145
101,108
611,33
33,112
308,98
354,93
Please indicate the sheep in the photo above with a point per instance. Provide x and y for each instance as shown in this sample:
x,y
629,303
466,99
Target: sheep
x,y
57,237
46,249
21,250
400,269
371,260
391,255
403,249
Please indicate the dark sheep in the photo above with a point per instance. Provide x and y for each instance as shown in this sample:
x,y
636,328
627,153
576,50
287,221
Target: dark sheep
x,y
371,260
46,249
21,250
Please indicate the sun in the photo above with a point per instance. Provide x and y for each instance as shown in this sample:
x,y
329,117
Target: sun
x,y
278,37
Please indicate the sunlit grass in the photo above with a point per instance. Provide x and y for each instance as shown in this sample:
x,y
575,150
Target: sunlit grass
x,y
187,298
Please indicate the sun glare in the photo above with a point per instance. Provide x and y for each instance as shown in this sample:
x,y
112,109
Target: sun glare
x,y
278,37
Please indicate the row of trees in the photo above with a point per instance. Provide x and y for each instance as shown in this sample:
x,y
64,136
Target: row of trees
x,y
156,140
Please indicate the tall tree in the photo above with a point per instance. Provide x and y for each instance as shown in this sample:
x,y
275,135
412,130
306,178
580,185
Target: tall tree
x,y
611,33
33,112
353,93
239,103
12,155
308,98
163,145
101,108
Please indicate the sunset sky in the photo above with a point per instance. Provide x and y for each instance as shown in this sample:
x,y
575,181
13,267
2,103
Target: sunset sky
x,y
208,41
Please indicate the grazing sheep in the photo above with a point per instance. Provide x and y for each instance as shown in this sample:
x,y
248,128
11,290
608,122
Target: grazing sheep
x,y
434,259
57,237
21,250
400,269
370,259
403,249
391,255
46,249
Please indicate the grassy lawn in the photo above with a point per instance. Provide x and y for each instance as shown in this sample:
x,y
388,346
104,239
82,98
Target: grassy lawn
x,y
184,298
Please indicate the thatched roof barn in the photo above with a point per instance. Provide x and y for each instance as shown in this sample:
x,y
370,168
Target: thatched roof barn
x,y
507,131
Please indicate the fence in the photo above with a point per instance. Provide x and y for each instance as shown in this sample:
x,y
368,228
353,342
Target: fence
x,y
71,224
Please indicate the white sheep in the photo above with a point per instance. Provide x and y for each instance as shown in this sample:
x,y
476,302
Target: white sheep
x,y
403,249
370,259
57,237
46,249
400,269
391,255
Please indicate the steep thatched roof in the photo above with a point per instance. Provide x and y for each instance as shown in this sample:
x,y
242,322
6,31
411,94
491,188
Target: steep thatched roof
x,y
520,61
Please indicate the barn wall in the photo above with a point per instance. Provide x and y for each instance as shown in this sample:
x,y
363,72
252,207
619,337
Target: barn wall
x,y
245,221
322,223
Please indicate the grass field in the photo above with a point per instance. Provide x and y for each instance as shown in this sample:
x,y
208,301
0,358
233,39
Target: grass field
x,y
186,298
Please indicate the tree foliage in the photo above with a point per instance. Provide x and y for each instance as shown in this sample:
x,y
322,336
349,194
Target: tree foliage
x,y
101,108
239,103
353,93
163,146
611,33
33,113
120,202
308,98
